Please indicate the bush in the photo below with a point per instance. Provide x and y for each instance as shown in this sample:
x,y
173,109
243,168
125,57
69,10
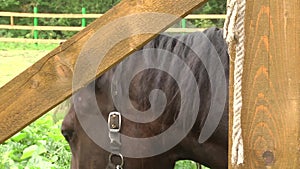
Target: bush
x,y
38,146
187,164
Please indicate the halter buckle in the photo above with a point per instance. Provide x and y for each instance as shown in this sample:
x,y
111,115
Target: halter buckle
x,y
114,122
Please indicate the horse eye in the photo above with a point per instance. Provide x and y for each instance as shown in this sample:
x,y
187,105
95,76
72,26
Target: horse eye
x,y
68,134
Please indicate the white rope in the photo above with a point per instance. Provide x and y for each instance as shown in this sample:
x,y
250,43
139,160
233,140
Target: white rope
x,y
234,34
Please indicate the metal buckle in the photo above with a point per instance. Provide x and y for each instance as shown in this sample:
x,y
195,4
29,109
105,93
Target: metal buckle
x,y
114,121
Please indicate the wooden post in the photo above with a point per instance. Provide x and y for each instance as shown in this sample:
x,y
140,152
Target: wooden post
x,y
11,20
35,23
183,23
49,81
271,85
83,20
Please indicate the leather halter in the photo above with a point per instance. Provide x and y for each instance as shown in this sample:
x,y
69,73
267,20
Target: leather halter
x,y
114,127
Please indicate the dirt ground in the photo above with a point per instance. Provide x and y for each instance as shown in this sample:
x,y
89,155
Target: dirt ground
x,y
13,62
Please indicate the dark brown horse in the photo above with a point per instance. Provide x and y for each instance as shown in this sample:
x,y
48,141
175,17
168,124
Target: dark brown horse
x,y
147,90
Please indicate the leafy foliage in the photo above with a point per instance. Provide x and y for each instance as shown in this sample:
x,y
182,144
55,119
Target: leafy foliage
x,y
38,146
211,7
6,46
53,6
187,164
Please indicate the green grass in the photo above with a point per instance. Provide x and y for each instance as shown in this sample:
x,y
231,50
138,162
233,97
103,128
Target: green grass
x,y
25,46
16,57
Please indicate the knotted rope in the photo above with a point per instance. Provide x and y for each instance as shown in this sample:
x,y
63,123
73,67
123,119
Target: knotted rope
x,y
234,35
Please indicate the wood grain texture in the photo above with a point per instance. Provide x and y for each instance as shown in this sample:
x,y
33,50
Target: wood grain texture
x,y
271,85
49,81
78,28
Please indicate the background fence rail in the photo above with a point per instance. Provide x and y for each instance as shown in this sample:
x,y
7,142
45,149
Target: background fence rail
x,y
53,15
83,16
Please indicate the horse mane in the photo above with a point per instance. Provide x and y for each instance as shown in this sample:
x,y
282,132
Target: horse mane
x,y
144,82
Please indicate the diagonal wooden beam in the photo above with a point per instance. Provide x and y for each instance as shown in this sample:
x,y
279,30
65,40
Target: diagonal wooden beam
x,y
49,81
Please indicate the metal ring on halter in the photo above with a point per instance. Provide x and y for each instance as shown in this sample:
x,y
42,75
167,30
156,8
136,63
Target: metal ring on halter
x,y
117,155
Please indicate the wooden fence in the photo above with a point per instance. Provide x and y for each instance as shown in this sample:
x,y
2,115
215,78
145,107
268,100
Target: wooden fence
x,y
13,26
271,93
271,86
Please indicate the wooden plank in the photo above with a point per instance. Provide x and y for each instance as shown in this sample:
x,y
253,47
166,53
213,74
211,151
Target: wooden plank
x,y
32,40
184,30
49,15
170,30
205,16
11,20
271,85
49,81
74,28
52,15
57,28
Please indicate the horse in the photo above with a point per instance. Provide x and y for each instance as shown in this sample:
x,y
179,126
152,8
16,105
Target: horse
x,y
152,105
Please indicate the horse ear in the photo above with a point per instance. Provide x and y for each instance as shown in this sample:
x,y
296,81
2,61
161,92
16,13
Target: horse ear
x,y
101,82
104,81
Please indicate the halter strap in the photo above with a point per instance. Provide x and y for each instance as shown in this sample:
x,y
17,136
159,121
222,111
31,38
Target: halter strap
x,y
114,127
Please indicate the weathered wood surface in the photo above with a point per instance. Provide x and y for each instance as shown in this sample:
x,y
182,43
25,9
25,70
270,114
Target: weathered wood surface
x,y
56,15
78,28
271,85
49,81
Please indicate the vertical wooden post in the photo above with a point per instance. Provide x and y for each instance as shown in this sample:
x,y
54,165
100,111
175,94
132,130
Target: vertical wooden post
x,y
183,23
271,85
11,20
